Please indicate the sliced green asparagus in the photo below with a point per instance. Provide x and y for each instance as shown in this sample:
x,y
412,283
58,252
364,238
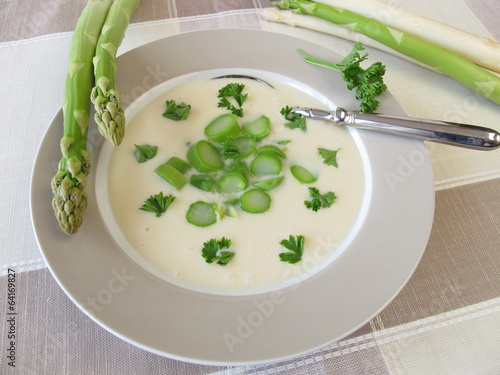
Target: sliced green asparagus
x,y
205,157
222,127
271,150
68,185
270,183
232,182
179,164
246,146
264,165
255,201
202,214
171,175
109,114
257,129
440,59
302,174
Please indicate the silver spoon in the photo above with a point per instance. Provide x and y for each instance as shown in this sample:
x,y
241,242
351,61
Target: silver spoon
x,y
469,136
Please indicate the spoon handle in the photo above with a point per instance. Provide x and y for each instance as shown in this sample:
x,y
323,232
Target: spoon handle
x,y
469,136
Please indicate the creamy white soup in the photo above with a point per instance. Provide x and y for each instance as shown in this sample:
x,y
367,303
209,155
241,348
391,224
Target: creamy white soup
x,y
171,247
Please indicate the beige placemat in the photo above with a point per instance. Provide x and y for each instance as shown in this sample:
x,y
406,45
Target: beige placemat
x,y
444,321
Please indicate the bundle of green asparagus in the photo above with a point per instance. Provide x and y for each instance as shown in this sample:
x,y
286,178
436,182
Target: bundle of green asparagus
x,y
100,26
469,59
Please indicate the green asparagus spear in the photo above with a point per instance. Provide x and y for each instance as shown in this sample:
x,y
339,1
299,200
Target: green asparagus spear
x,y
442,60
109,114
68,185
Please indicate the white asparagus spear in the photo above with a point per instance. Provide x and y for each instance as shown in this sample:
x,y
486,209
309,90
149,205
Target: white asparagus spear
x,y
480,50
291,18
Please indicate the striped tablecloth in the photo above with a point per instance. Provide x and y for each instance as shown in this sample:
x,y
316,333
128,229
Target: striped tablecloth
x,y
446,320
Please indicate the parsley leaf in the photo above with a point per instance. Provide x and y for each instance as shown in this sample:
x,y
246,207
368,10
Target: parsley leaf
x,y
234,91
224,257
238,166
212,251
319,200
369,83
329,156
296,246
296,120
145,152
157,203
284,142
229,149
176,111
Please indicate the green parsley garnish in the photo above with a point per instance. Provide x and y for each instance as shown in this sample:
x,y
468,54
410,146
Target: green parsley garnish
x,y
212,251
229,149
296,246
329,156
157,203
145,152
369,83
319,200
296,120
237,166
176,111
234,91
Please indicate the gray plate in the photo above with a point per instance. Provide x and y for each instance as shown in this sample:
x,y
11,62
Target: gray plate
x,y
242,330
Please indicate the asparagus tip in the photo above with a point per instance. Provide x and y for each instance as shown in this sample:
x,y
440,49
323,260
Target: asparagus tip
x,y
69,200
109,115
